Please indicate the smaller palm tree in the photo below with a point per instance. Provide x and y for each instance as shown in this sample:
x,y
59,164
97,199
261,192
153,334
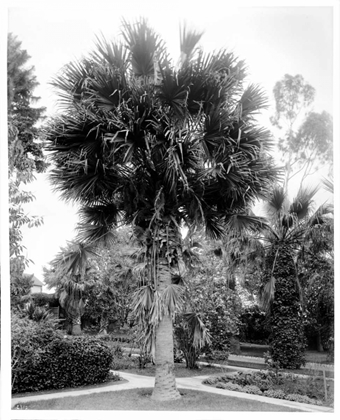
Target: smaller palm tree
x,y
71,265
290,225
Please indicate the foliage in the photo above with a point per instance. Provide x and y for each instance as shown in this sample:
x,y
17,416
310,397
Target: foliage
x,y
190,336
36,313
109,296
267,383
316,275
20,289
42,359
107,280
29,338
141,141
25,155
254,328
43,299
287,341
210,295
292,231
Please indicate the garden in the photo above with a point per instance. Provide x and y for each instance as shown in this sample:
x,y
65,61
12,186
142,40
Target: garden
x,y
172,274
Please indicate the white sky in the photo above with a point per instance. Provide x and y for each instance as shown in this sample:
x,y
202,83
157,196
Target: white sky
x,y
273,40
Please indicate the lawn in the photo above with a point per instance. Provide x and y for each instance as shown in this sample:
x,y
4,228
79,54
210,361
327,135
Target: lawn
x,y
139,399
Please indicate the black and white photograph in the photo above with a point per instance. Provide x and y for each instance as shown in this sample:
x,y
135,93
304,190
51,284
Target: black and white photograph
x,y
169,190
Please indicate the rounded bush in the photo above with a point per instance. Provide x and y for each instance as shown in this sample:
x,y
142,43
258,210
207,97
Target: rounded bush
x,y
233,387
252,389
274,393
47,360
302,399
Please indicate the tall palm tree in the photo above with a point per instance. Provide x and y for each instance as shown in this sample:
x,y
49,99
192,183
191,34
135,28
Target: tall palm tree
x,y
290,227
145,142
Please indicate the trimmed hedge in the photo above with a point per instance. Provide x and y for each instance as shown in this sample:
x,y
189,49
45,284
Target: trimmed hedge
x,y
42,299
55,362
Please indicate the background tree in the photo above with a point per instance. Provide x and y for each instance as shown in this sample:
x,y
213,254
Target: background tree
x,y
109,298
25,153
107,280
307,137
146,143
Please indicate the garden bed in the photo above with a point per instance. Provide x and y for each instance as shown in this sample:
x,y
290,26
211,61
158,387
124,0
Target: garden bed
x,y
283,385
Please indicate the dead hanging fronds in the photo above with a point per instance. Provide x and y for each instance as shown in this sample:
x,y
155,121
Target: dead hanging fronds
x,y
172,299
197,330
266,294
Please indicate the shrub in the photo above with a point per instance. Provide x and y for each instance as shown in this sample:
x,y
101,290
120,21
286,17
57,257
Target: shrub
x,y
232,387
254,327
43,359
210,381
42,299
302,399
274,393
252,389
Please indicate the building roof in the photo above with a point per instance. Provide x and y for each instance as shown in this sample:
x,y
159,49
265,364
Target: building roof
x,y
37,282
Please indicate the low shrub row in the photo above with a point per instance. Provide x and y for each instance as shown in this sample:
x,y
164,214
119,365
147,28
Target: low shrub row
x,y
270,384
42,358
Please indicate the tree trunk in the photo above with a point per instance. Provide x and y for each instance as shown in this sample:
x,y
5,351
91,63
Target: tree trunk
x,y
319,345
165,383
76,326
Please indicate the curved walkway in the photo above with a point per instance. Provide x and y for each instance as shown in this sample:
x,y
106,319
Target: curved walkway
x,y
139,381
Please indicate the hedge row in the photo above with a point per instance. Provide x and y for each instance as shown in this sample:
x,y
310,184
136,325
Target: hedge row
x,y
42,362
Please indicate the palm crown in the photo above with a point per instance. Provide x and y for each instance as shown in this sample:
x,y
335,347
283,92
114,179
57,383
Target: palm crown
x,y
143,140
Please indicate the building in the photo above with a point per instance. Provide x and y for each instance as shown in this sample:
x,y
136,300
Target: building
x,y
37,285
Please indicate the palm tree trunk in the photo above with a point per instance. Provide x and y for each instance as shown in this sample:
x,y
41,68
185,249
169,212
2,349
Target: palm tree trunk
x,y
165,382
76,326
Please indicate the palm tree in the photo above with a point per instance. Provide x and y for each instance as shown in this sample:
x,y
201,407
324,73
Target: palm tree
x,y
290,228
71,265
141,141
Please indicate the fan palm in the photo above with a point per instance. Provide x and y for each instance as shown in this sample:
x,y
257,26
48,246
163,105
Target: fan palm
x,y
290,227
144,142
71,264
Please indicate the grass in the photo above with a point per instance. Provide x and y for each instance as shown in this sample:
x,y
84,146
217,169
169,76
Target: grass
x,y
139,399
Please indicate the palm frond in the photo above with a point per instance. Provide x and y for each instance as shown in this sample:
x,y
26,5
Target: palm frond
x,y
73,259
328,185
188,42
302,203
242,223
252,101
266,294
114,54
276,202
198,330
172,297
145,46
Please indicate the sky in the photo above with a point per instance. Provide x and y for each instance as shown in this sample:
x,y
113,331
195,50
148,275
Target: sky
x,y
274,40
